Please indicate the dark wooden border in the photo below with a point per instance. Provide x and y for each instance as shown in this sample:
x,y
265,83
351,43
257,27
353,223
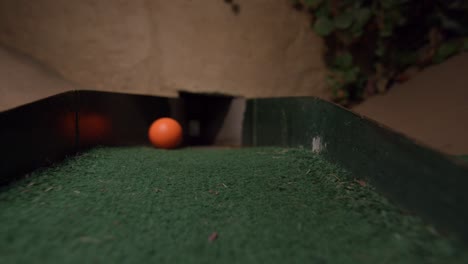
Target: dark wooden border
x,y
421,180
29,137
46,131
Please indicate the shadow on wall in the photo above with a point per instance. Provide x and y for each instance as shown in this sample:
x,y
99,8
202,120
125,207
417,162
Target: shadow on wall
x,y
204,116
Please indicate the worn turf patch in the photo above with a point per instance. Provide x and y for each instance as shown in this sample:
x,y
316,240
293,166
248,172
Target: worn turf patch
x,y
256,205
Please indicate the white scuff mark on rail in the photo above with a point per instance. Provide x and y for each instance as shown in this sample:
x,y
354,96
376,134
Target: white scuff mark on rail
x,y
317,145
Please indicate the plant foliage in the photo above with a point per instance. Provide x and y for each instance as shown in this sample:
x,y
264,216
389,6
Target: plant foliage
x,y
373,44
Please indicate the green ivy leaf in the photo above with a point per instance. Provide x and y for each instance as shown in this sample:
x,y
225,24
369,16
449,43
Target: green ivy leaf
x,y
357,4
445,50
450,23
356,30
358,33
351,75
395,17
386,31
323,11
343,61
344,20
387,4
362,15
312,3
331,82
380,51
324,26
465,44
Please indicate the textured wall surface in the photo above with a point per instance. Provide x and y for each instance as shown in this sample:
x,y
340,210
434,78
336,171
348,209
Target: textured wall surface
x,y
431,108
159,47
23,80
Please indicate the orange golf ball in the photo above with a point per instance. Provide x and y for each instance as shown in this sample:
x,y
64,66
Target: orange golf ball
x,y
165,133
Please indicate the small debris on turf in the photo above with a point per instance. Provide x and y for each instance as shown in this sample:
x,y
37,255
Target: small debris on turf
x,y
213,192
282,151
361,183
213,237
432,230
336,178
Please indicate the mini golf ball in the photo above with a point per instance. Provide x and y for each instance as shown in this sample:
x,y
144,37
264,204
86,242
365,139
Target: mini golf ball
x,y
165,133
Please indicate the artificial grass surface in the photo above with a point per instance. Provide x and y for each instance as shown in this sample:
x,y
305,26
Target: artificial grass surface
x,y
463,157
268,205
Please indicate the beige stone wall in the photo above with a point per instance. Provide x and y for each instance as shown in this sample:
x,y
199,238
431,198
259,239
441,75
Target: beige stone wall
x,y
431,108
23,80
159,47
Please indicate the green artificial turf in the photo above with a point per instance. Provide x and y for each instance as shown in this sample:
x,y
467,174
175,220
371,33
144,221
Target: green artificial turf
x,y
463,157
268,205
